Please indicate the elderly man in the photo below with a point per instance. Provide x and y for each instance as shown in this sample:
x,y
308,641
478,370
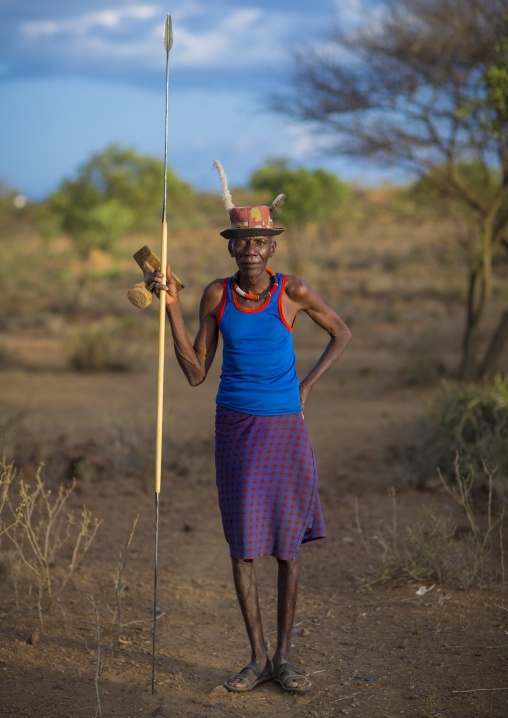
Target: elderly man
x,y
266,475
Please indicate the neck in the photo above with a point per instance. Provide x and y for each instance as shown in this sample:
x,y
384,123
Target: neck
x,y
254,281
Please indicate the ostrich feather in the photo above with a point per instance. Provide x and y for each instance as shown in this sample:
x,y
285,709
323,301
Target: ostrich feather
x,y
276,205
226,194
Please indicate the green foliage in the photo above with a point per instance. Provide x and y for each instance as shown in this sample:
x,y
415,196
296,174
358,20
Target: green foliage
x,y
116,191
435,189
491,105
92,222
472,422
136,182
312,196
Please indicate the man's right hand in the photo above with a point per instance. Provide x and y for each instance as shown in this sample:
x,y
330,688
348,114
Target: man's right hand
x,y
170,288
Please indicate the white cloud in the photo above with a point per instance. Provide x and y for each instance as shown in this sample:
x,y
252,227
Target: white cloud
x,y
350,12
211,35
108,19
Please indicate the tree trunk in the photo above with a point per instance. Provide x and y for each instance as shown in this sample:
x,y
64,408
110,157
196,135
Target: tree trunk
x,y
475,308
478,298
496,346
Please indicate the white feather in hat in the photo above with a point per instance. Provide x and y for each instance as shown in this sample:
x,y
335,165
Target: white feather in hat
x,y
226,194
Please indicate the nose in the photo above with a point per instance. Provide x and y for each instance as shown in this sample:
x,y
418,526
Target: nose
x,y
250,247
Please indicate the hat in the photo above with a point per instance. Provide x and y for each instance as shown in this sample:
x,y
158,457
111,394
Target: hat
x,y
249,221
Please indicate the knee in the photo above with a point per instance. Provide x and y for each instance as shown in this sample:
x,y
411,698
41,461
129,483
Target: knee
x,y
286,563
242,563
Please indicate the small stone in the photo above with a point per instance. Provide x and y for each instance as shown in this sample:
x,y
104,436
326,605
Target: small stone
x,y
403,644
162,712
305,632
218,692
33,639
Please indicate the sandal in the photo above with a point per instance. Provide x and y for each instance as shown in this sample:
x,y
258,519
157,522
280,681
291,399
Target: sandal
x,y
283,681
261,677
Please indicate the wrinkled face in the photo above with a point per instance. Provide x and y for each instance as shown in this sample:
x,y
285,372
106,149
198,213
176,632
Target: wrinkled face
x,y
252,252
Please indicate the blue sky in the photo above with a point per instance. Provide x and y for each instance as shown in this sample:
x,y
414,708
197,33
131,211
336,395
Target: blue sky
x,y
77,76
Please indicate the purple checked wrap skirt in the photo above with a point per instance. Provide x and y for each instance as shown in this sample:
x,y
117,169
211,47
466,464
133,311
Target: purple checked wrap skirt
x,y
267,483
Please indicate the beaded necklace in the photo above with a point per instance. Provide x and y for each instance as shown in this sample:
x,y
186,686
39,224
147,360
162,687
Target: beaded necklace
x,y
255,297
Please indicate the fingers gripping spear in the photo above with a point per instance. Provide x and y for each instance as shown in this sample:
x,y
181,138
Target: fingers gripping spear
x,y
168,42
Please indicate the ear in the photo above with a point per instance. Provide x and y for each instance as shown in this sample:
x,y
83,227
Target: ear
x,y
230,248
273,248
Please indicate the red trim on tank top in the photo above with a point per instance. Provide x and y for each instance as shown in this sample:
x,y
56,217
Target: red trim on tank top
x,y
224,298
279,303
249,311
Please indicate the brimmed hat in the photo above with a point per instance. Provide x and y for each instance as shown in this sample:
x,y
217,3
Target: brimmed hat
x,y
249,221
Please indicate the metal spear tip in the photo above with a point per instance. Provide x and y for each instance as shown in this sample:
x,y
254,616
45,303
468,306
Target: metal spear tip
x,y
168,33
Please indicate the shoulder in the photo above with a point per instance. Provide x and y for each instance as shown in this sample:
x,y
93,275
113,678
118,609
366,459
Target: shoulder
x,y
301,293
214,289
212,296
296,288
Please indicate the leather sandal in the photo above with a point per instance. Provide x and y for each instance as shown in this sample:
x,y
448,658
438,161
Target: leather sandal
x,y
261,677
295,676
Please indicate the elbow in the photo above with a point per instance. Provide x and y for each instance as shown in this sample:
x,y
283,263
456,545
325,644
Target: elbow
x,y
343,336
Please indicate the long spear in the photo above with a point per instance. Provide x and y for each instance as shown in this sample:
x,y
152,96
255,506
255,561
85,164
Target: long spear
x,y
168,42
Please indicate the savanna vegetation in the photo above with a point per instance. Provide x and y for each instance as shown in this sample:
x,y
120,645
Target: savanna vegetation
x,y
418,406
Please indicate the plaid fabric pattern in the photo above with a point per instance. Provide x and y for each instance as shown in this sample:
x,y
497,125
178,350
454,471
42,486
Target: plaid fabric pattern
x,y
267,484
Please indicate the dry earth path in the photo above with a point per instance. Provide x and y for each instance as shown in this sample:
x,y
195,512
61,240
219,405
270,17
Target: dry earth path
x,y
370,652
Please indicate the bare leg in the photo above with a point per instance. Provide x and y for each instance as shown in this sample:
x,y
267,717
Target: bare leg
x,y
289,574
246,586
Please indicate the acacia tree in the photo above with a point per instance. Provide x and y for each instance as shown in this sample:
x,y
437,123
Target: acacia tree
x,y
420,86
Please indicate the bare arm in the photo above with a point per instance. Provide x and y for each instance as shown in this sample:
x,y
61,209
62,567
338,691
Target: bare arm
x,y
300,296
195,359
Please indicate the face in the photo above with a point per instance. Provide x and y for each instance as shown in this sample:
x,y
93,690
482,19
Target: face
x,y
252,253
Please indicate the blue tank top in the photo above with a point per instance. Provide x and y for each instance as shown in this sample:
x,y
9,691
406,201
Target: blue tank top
x,y
258,365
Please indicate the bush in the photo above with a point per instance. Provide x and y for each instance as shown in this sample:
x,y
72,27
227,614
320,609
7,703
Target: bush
x,y
8,357
424,365
472,422
428,552
93,350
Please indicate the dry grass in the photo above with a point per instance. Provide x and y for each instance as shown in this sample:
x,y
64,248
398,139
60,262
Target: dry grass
x,y
434,550
39,526
94,349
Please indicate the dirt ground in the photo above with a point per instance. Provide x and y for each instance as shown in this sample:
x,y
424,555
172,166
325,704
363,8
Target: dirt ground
x,y
379,651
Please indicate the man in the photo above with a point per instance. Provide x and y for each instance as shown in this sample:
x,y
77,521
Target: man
x,y
266,475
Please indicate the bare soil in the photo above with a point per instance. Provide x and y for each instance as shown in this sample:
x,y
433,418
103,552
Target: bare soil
x,y
379,651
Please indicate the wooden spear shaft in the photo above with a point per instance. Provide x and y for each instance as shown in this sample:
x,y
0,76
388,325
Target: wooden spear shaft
x,y
168,42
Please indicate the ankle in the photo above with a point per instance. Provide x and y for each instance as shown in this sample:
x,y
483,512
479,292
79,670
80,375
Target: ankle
x,y
281,657
260,656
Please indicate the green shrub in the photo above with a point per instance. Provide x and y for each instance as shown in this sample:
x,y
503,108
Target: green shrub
x,y
472,422
94,350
